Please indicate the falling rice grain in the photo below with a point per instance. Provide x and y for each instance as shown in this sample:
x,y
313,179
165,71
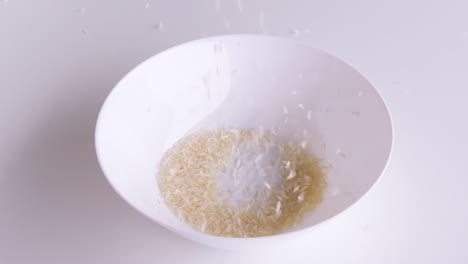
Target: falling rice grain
x,y
296,188
240,6
278,208
159,26
258,158
300,198
294,32
340,153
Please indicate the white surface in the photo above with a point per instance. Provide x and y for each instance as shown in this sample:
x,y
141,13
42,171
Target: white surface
x,y
56,206
244,81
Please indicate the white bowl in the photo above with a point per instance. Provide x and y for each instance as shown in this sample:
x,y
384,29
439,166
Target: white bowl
x,y
243,81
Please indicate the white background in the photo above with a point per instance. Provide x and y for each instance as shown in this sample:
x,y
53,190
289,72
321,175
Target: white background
x,y
59,60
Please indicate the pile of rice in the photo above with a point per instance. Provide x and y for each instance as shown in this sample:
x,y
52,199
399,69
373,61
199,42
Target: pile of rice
x,y
240,183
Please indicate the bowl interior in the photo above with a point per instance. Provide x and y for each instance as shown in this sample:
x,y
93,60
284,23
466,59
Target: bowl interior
x,y
243,81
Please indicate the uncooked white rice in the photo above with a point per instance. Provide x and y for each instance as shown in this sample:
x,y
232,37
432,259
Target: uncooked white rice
x,y
240,183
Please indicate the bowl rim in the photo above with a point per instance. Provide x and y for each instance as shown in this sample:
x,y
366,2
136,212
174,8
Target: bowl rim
x,y
221,37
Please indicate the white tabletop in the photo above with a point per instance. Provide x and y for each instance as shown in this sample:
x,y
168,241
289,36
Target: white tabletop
x,y
59,60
